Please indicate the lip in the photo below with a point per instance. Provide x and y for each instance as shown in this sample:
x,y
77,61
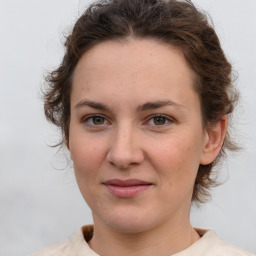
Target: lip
x,y
126,188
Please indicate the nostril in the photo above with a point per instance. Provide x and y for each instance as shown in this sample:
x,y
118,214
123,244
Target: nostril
x,y
120,162
124,161
124,150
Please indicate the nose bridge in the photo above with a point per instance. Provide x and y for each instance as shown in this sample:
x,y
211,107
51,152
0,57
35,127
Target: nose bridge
x,y
125,149
124,135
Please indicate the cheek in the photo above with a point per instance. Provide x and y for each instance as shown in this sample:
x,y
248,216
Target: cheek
x,y
87,160
177,159
87,155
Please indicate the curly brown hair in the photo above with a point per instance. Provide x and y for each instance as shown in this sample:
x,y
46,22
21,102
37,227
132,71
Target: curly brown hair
x,y
176,23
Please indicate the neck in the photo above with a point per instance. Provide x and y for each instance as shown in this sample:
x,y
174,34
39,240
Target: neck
x,y
165,240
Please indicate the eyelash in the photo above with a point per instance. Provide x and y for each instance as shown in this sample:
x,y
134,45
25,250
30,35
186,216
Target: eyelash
x,y
167,120
89,120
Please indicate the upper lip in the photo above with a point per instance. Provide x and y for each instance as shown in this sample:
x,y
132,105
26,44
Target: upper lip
x,y
126,183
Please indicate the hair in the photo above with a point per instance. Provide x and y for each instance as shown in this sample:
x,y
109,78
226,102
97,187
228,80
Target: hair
x,y
173,22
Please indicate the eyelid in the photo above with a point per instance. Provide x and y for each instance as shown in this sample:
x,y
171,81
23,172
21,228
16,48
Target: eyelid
x,y
168,118
85,119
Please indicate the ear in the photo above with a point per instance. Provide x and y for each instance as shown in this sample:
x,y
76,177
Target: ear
x,y
213,141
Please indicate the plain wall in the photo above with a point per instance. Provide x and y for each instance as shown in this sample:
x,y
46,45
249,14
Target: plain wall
x,y
40,204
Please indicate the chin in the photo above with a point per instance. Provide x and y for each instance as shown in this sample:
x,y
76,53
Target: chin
x,y
131,226
128,221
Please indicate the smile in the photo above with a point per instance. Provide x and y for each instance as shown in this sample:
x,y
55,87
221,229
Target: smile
x,y
126,188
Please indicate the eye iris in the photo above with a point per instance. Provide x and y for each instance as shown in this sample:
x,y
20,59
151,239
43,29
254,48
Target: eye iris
x,y
159,120
98,120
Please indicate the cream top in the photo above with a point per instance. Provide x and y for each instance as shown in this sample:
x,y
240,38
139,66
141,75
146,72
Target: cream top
x,y
208,245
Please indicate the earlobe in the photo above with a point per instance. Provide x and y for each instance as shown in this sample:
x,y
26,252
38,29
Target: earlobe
x,y
213,141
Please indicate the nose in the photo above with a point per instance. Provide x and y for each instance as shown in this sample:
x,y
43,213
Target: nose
x,y
125,149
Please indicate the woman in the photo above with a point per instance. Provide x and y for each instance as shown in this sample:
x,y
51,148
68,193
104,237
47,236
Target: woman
x,y
143,98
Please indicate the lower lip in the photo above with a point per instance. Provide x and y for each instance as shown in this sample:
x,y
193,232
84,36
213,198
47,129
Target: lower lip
x,y
127,192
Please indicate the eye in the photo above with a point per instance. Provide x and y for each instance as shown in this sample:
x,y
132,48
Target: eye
x,y
94,120
160,120
98,120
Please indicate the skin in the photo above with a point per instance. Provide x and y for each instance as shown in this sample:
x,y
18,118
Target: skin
x,y
129,140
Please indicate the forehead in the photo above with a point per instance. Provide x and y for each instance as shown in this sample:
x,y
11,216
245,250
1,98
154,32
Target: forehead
x,y
133,53
125,68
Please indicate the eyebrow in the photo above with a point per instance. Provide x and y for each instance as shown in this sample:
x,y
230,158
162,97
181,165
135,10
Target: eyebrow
x,y
91,104
141,108
157,104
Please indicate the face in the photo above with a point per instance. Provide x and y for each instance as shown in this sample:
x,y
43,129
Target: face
x,y
136,135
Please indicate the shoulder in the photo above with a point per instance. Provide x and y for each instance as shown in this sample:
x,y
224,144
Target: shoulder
x,y
76,245
57,249
211,245
226,249
214,246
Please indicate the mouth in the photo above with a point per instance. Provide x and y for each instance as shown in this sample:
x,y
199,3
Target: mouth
x,y
126,188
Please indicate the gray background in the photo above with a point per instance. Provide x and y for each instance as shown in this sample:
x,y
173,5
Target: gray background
x,y
39,202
